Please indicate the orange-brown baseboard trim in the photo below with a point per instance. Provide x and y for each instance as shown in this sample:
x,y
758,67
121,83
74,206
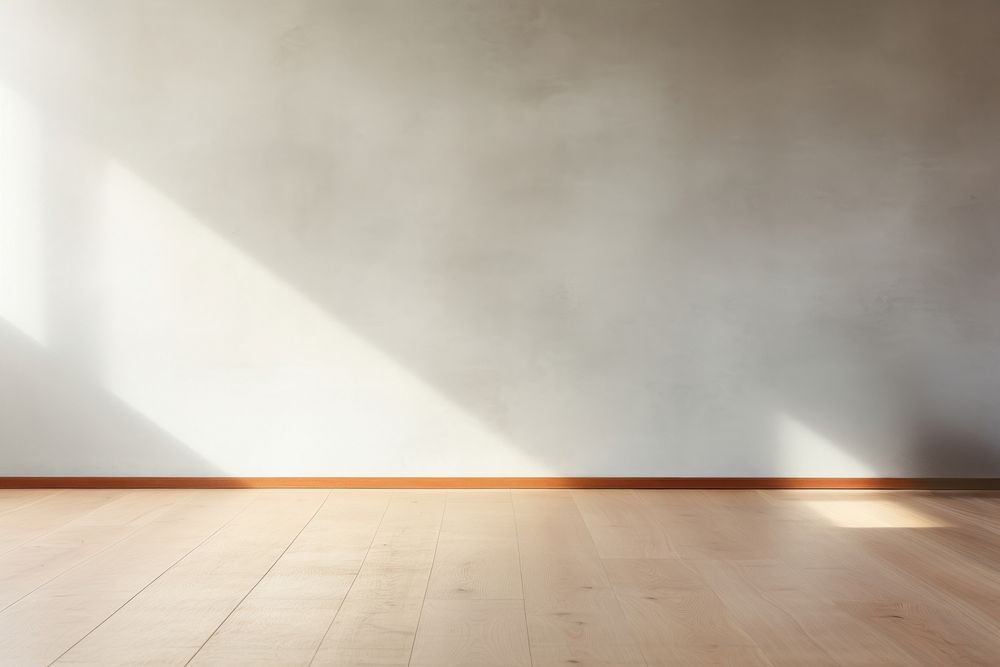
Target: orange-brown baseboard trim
x,y
896,483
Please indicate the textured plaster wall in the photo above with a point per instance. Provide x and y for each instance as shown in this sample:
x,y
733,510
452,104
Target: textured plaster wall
x,y
500,237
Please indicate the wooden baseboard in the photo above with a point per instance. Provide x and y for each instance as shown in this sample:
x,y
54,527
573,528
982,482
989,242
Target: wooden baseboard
x,y
897,483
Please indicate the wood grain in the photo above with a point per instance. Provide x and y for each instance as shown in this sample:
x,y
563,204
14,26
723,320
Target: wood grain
x,y
677,617
36,562
477,555
622,526
500,577
378,619
43,625
285,616
38,519
472,632
12,499
573,614
168,620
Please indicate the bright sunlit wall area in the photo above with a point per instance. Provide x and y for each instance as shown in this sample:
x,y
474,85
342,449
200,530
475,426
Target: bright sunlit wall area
x,y
501,239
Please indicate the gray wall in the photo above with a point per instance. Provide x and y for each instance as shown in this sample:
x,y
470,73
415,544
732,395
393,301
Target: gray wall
x,y
568,237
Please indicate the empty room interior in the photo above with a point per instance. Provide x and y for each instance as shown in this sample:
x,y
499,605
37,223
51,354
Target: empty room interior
x,y
423,333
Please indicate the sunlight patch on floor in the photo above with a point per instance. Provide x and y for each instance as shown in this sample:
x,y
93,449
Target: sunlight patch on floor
x,y
871,513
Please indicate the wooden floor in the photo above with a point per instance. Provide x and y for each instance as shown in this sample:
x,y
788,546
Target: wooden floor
x,y
355,577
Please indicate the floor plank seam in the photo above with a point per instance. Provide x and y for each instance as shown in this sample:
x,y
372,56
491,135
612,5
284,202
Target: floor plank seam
x,y
960,606
361,567
154,580
62,525
262,577
80,564
55,492
758,578
427,585
520,572
607,576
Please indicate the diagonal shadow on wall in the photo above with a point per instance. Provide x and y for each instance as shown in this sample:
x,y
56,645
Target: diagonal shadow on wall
x,y
620,237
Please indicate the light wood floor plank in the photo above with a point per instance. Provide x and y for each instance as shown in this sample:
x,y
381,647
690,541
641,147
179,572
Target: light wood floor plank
x,y
489,633
621,525
34,563
14,499
37,519
284,618
378,620
935,605
958,565
477,556
572,612
371,631
797,613
969,510
42,626
481,577
868,573
725,525
677,617
778,633
171,618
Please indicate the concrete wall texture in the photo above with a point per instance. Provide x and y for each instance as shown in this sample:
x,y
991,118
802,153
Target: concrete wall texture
x,y
500,237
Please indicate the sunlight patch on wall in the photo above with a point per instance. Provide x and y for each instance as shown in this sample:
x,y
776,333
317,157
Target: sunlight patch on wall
x,y
806,453
872,513
22,302
252,375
